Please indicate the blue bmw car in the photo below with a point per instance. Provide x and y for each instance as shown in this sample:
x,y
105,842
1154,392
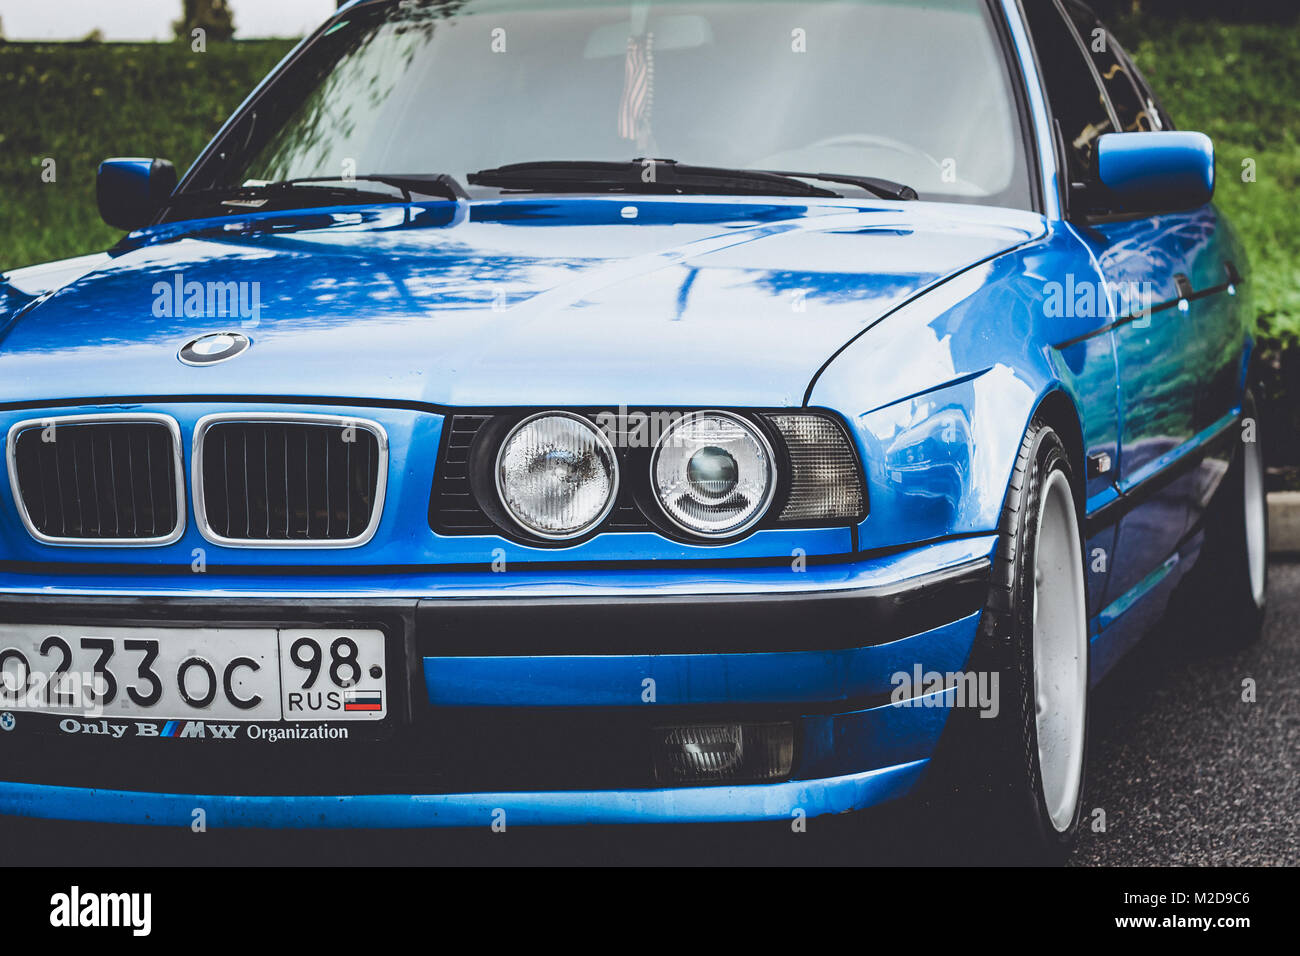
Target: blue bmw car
x,y
614,412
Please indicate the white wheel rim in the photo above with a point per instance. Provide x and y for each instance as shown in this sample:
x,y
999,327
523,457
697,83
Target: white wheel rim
x,y
1256,521
1060,651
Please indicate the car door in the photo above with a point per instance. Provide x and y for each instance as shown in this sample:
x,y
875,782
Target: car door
x,y
1219,311
1146,262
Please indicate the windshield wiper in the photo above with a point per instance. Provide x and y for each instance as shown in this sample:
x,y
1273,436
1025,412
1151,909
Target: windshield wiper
x,y
256,195
670,176
641,176
884,188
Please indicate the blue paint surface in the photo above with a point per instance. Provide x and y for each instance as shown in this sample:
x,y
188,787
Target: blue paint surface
x,y
393,811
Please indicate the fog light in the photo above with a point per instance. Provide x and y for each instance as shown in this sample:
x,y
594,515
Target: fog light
x,y
723,753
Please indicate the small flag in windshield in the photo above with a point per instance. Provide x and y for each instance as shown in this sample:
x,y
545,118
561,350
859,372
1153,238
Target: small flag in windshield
x,y
638,90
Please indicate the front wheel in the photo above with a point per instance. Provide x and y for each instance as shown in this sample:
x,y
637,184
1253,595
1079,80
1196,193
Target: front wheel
x,y
1020,773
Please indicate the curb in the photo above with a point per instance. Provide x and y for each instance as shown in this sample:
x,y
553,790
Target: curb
x,y
1284,522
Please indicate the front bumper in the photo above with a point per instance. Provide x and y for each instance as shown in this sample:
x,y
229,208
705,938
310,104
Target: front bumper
x,y
778,801
526,694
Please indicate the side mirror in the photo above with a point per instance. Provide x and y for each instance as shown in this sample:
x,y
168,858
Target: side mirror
x,y
1156,172
131,191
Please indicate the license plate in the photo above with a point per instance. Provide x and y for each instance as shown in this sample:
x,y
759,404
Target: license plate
x,y
236,674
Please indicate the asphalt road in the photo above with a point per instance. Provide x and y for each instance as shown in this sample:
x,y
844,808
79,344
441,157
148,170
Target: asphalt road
x,y
1186,772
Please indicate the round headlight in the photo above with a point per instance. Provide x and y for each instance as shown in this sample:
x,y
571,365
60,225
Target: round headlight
x,y
714,474
557,475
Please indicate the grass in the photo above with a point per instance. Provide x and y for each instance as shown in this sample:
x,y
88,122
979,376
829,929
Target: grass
x,y
78,104
1240,84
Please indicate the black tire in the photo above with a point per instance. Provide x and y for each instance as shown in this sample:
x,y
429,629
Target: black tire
x,y
988,769
1221,599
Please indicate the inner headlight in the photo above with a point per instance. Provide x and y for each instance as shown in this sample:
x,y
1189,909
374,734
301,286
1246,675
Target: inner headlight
x,y
557,475
714,474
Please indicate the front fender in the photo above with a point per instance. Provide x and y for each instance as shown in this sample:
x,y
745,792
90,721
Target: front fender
x,y
939,393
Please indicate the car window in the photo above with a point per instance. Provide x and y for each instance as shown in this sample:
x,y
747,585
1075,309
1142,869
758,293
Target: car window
x,y
1118,82
1077,102
1161,120
919,93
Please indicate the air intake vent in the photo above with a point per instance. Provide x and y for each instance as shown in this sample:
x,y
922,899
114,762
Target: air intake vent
x,y
106,481
453,509
289,481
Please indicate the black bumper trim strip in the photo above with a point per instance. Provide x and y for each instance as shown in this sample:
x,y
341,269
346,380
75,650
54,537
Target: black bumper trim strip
x,y
758,622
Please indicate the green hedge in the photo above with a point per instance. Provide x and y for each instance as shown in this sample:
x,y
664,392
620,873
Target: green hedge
x,y
81,103
1256,11
1240,84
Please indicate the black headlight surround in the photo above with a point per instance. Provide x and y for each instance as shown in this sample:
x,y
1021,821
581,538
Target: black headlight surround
x,y
464,498
482,480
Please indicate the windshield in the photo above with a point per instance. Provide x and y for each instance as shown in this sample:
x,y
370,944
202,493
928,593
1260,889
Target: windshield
x,y
914,92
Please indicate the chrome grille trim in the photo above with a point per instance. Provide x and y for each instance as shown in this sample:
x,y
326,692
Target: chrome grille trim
x,y
110,418
201,518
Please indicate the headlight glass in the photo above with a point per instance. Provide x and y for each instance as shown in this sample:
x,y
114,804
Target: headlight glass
x,y
557,475
714,474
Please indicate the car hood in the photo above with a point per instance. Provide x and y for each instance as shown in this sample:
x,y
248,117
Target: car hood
x,y
566,301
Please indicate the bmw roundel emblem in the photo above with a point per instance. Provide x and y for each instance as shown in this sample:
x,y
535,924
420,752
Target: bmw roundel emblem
x,y
213,347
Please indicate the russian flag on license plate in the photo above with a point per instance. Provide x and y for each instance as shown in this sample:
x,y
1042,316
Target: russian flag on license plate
x,y
363,700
